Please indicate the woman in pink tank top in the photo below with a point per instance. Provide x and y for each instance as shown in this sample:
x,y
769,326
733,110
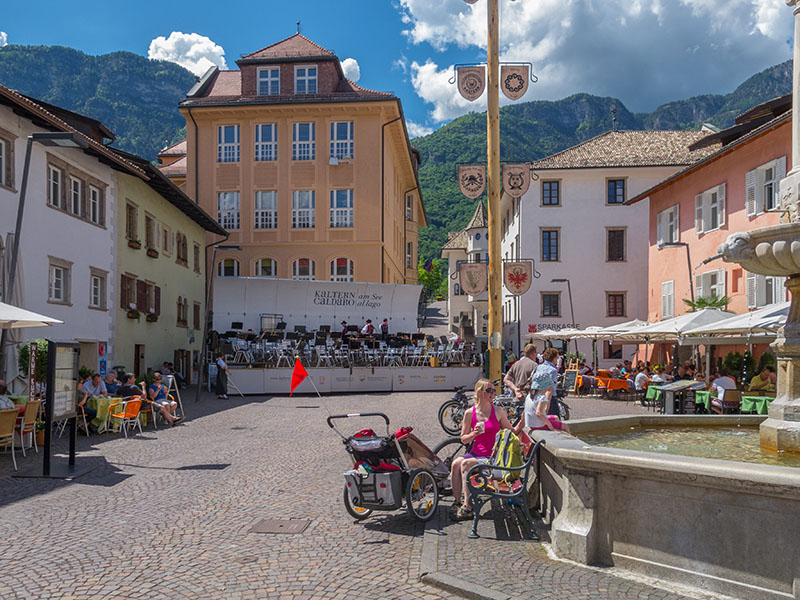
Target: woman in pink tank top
x,y
479,427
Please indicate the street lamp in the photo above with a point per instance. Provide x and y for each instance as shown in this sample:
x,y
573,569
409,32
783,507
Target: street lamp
x,y
61,139
571,311
209,295
688,260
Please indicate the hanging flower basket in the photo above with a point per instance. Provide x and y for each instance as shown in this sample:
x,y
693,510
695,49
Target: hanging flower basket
x,y
152,253
135,244
151,317
133,314
183,262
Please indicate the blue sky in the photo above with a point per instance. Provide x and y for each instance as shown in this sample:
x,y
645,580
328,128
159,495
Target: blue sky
x,y
644,52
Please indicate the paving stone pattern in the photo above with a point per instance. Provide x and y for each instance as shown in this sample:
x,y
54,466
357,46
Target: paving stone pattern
x,y
159,517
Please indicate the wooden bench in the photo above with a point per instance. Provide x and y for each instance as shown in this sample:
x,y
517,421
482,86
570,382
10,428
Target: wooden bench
x,y
483,488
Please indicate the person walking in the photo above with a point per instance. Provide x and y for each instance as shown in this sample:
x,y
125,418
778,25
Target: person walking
x,y
222,377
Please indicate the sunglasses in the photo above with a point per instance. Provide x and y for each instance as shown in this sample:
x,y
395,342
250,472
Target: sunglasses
x,y
490,390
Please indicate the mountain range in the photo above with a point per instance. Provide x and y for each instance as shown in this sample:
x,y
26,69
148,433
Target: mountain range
x,y
137,99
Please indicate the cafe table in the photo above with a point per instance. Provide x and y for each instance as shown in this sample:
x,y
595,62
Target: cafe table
x,y
101,404
758,404
703,397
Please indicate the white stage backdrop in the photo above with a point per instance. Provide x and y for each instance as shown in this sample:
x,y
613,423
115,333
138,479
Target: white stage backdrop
x,y
313,303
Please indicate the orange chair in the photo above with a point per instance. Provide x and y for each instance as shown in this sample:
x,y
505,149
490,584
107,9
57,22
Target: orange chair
x,y
129,414
8,421
27,424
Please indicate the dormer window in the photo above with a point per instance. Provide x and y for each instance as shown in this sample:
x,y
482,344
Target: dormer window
x,y
269,81
305,79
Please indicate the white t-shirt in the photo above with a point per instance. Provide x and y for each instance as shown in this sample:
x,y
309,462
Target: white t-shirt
x,y
722,384
641,379
531,402
221,363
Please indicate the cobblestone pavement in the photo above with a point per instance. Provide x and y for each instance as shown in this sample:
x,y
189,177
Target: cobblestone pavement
x,y
168,514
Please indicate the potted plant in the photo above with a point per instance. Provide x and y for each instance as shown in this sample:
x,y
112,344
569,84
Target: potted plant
x,y
152,253
151,317
133,313
183,262
39,432
135,244
182,323
84,372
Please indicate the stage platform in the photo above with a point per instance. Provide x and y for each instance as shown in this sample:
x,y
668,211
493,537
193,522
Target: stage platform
x,y
358,379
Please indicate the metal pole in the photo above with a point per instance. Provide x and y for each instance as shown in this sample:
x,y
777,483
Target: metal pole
x,y
689,262
209,290
572,316
493,185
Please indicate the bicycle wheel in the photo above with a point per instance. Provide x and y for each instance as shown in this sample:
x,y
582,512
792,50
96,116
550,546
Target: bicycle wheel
x,y
450,415
422,495
449,449
563,408
356,512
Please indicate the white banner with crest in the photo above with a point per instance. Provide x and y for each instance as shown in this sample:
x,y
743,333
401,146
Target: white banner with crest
x,y
514,80
472,180
474,278
516,179
471,82
517,276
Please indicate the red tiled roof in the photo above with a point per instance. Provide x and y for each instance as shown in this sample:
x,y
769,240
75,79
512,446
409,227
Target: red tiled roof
x,y
295,46
629,149
178,149
227,83
176,169
457,242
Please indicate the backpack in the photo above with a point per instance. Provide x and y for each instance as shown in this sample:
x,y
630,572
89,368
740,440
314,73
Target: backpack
x,y
507,452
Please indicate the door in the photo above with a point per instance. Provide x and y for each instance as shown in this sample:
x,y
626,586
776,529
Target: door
x,y
138,360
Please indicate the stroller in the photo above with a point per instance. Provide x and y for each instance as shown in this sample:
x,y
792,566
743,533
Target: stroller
x,y
390,469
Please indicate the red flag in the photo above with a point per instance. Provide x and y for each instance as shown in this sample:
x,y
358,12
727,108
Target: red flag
x,y
298,374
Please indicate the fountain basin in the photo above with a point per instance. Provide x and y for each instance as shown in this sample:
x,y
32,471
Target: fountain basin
x,y
718,525
771,250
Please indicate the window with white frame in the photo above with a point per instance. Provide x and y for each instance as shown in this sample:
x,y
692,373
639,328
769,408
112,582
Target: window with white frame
x,y
342,140
75,195
303,268
305,79
59,281
166,240
667,229
710,284
761,186
667,299
228,209
303,206
95,205
266,215
765,289
409,207
266,142
54,180
149,232
228,143
303,141
266,267
341,269
131,222
97,289
341,208
709,209
228,267
269,81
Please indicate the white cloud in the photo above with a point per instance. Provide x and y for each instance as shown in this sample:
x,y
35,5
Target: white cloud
x,y
193,51
3,39
643,52
416,130
351,69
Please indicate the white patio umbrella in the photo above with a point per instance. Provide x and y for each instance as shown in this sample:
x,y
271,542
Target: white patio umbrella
x,y
765,320
676,328
14,317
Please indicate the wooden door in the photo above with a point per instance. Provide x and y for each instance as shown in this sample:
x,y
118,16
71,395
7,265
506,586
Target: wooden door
x,y
138,360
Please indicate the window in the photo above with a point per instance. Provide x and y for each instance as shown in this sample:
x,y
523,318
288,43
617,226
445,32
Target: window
x,y
667,226
181,249
196,315
616,191
54,186
59,281
303,206
341,269
131,220
266,216
409,207
710,284
267,142
342,140
166,240
269,81
303,268
75,195
305,80
228,209
228,143
551,305
127,293
667,299
761,186
4,161
341,208
183,312
197,258
615,250
96,211
228,267
615,304
709,209
765,289
266,267
550,193
97,288
550,245
303,141
149,232
409,255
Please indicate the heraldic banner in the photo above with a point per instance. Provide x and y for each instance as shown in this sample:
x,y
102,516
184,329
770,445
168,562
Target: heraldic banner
x,y
471,82
474,278
472,180
517,276
514,80
516,179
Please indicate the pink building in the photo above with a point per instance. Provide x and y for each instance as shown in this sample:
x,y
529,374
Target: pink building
x,y
734,189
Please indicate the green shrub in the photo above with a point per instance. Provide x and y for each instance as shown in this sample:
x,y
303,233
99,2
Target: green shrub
x,y
23,357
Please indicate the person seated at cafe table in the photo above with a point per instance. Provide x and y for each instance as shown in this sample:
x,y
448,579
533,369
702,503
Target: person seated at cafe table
x,y
129,388
112,385
157,393
6,403
722,383
764,381
642,379
95,388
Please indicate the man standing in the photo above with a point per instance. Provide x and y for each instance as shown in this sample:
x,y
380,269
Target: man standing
x,y
385,329
222,377
518,378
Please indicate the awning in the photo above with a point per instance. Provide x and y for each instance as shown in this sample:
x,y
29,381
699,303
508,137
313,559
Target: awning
x,y
675,328
13,317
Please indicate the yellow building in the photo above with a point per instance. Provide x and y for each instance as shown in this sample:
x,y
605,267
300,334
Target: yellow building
x,y
312,175
161,266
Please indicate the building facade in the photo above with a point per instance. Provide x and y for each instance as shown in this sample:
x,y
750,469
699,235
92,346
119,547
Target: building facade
x,y
312,175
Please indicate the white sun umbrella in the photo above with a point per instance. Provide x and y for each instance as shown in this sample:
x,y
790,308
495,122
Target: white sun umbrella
x,y
14,317
758,325
676,328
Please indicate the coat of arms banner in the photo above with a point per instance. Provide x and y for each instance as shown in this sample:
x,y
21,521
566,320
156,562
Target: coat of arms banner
x,y
471,82
516,179
514,80
473,277
472,180
517,276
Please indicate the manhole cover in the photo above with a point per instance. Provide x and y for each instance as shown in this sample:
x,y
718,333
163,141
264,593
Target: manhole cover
x,y
281,526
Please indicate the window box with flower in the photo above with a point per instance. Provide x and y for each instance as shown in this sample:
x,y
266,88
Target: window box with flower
x,y
152,253
182,323
133,313
135,244
151,317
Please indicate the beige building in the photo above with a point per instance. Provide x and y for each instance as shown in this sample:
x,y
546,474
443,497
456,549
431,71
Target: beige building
x,y
312,175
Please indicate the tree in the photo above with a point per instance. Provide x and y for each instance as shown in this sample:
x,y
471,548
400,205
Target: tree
x,y
718,302
432,280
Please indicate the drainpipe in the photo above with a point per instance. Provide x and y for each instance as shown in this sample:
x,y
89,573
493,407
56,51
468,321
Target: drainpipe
x,y
403,255
196,160
383,196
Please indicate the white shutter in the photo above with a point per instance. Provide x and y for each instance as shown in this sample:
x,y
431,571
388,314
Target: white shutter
x,y
751,290
698,213
721,205
721,281
750,194
659,228
699,292
667,299
783,293
677,236
761,290
780,170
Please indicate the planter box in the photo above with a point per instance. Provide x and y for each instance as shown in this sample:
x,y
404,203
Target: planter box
x,y
152,253
133,314
135,244
151,318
